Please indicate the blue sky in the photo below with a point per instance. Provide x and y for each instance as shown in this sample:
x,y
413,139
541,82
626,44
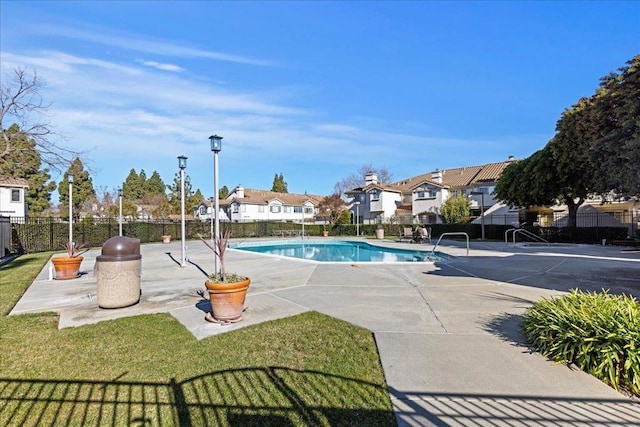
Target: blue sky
x,y
312,90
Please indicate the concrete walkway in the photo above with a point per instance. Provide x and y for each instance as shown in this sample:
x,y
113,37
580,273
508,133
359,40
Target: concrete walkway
x,y
447,333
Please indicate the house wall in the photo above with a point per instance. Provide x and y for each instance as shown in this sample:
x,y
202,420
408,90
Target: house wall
x,y
274,211
203,212
428,204
9,207
385,206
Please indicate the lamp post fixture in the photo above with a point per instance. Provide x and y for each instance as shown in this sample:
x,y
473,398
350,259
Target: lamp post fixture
x,y
357,218
216,147
120,215
182,164
481,194
70,180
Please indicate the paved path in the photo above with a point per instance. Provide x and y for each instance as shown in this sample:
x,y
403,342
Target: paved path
x,y
447,332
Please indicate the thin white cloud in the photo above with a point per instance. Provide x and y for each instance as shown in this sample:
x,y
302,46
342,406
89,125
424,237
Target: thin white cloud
x,y
163,67
129,41
334,127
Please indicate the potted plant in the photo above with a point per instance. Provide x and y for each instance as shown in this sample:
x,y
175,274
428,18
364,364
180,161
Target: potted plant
x,y
166,238
68,267
227,291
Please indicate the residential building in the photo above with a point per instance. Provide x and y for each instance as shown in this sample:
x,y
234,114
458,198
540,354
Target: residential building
x,y
12,197
247,205
418,199
373,201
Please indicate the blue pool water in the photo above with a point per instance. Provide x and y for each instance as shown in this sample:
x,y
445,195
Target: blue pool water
x,y
339,251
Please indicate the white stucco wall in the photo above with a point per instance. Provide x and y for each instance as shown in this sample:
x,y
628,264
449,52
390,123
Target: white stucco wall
x,y
10,208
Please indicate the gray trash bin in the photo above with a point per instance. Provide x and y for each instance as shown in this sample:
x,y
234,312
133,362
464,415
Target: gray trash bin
x,y
118,272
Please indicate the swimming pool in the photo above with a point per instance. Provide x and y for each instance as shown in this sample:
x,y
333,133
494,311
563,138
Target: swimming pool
x,y
338,251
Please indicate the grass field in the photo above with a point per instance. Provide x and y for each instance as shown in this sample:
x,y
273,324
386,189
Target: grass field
x,y
310,369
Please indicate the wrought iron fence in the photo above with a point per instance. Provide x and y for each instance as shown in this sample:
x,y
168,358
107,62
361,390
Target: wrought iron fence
x,y
51,234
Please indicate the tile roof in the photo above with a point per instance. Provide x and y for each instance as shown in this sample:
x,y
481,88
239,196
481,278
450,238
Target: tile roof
x,y
457,177
262,197
383,187
13,182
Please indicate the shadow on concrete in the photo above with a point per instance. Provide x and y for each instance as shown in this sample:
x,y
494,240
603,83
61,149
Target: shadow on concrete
x,y
559,272
271,396
508,327
445,409
199,268
173,259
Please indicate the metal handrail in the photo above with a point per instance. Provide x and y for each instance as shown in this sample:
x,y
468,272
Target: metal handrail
x,y
527,233
458,233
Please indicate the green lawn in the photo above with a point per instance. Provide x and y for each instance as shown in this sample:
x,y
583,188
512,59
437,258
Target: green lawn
x,y
310,369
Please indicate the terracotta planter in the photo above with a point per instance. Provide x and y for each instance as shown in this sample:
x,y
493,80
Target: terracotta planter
x,y
166,238
325,233
67,267
227,299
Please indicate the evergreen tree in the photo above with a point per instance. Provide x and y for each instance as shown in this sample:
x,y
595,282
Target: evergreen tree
x,y
223,192
193,201
279,184
189,199
133,186
154,185
82,188
24,161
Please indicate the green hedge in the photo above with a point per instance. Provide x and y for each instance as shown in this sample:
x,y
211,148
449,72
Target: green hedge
x,y
598,332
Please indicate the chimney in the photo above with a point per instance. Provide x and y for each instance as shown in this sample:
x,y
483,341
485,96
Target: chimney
x,y
511,159
240,192
371,178
436,176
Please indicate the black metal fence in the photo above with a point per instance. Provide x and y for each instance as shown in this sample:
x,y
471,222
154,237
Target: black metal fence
x,y
51,234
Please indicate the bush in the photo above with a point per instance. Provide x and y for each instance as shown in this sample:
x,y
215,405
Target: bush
x,y
598,332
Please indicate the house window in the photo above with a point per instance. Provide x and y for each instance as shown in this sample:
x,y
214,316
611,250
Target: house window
x,y
297,209
234,208
203,210
15,195
261,209
276,209
308,210
375,196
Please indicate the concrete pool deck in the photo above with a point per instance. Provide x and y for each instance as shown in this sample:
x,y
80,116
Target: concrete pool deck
x,y
447,332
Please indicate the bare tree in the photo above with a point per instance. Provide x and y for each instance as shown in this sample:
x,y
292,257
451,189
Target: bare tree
x,y
357,179
22,103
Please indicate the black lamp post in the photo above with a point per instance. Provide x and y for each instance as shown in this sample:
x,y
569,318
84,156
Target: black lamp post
x,y
216,147
182,164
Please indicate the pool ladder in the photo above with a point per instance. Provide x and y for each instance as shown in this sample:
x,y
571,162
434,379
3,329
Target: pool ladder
x,y
457,233
524,232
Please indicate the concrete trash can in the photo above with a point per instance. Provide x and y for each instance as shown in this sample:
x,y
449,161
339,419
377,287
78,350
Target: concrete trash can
x,y
380,233
118,271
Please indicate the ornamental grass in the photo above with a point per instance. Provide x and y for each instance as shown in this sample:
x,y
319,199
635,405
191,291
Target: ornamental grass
x,y
596,331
